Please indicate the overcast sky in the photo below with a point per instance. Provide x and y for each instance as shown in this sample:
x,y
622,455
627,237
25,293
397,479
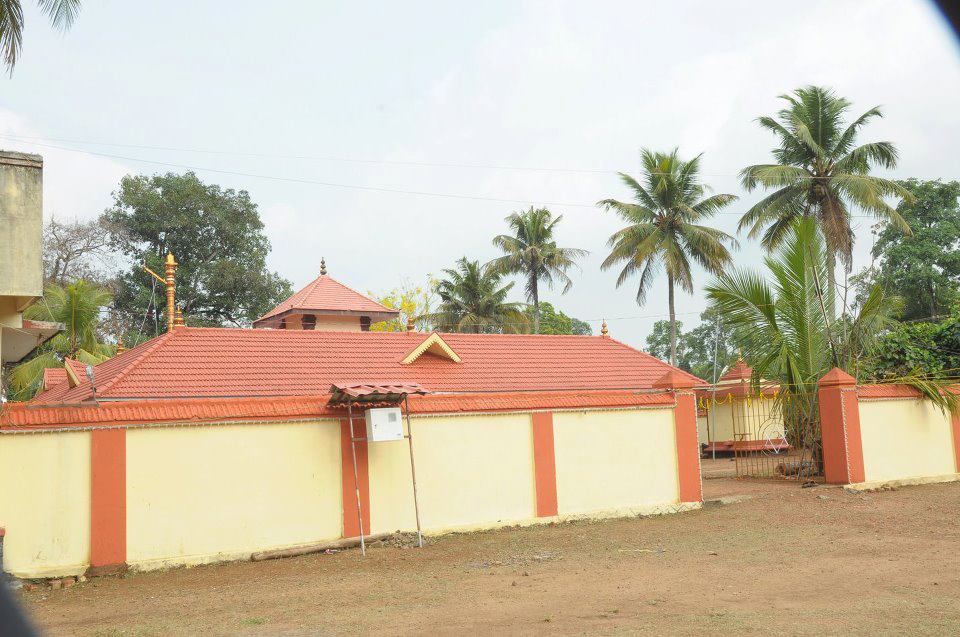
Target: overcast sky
x,y
532,103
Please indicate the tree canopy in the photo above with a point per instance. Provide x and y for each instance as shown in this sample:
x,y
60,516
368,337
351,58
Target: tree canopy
x,y
553,321
78,306
61,13
924,267
215,234
820,172
532,251
697,349
474,299
665,230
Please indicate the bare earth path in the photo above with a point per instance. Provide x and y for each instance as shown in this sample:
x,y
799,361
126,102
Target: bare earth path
x,y
790,560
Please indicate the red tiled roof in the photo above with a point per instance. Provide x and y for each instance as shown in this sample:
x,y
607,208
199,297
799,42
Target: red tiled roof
x,y
223,362
887,391
56,378
16,416
53,376
324,295
739,371
895,391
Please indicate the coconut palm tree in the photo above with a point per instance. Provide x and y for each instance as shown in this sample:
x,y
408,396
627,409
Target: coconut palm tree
x,y
472,299
77,306
782,320
820,172
532,251
60,12
663,230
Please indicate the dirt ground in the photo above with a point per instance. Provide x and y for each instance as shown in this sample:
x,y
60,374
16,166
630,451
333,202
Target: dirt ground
x,y
788,560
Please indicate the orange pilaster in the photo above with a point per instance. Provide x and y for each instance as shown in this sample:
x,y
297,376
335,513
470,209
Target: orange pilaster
x,y
685,426
955,420
688,448
108,498
840,428
544,463
351,526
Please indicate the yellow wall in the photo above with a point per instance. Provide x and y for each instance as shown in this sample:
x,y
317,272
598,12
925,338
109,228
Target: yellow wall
x,y
209,493
327,323
45,503
472,472
615,460
905,439
761,419
21,225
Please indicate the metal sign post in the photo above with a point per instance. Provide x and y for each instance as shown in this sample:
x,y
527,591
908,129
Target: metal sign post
x,y
371,395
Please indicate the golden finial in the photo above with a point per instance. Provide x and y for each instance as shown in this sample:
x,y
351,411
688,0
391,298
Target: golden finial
x,y
120,348
323,265
603,328
170,269
411,325
178,317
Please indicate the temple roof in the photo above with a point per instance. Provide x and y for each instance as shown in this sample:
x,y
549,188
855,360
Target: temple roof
x,y
325,295
194,362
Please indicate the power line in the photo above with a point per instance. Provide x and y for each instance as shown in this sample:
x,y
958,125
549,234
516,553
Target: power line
x,y
329,184
332,159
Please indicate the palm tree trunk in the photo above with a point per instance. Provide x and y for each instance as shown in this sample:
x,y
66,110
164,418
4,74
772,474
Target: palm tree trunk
x,y
831,285
673,323
536,304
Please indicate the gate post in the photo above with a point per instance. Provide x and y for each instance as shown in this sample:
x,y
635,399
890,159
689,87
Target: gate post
x,y
685,426
840,428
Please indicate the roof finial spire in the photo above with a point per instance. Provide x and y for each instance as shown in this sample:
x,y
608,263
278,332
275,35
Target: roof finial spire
x,y
411,324
603,328
323,265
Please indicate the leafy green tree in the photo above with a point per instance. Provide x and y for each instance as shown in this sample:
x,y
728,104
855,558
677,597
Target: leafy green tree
x,y
532,251
658,343
927,349
474,299
663,230
924,267
78,306
215,234
698,348
60,12
712,340
553,321
821,172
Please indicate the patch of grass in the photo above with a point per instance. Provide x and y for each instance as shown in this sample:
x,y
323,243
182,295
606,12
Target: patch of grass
x,y
255,621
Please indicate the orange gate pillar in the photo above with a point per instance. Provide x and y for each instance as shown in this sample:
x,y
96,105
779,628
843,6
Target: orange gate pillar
x,y
840,428
685,425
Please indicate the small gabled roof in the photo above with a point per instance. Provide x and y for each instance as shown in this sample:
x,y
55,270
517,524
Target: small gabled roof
x,y
432,345
325,295
53,376
739,371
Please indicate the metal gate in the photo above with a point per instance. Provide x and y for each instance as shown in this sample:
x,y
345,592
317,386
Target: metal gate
x,y
777,434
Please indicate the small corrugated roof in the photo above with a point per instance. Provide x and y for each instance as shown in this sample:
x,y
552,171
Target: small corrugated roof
x,y
325,295
228,362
